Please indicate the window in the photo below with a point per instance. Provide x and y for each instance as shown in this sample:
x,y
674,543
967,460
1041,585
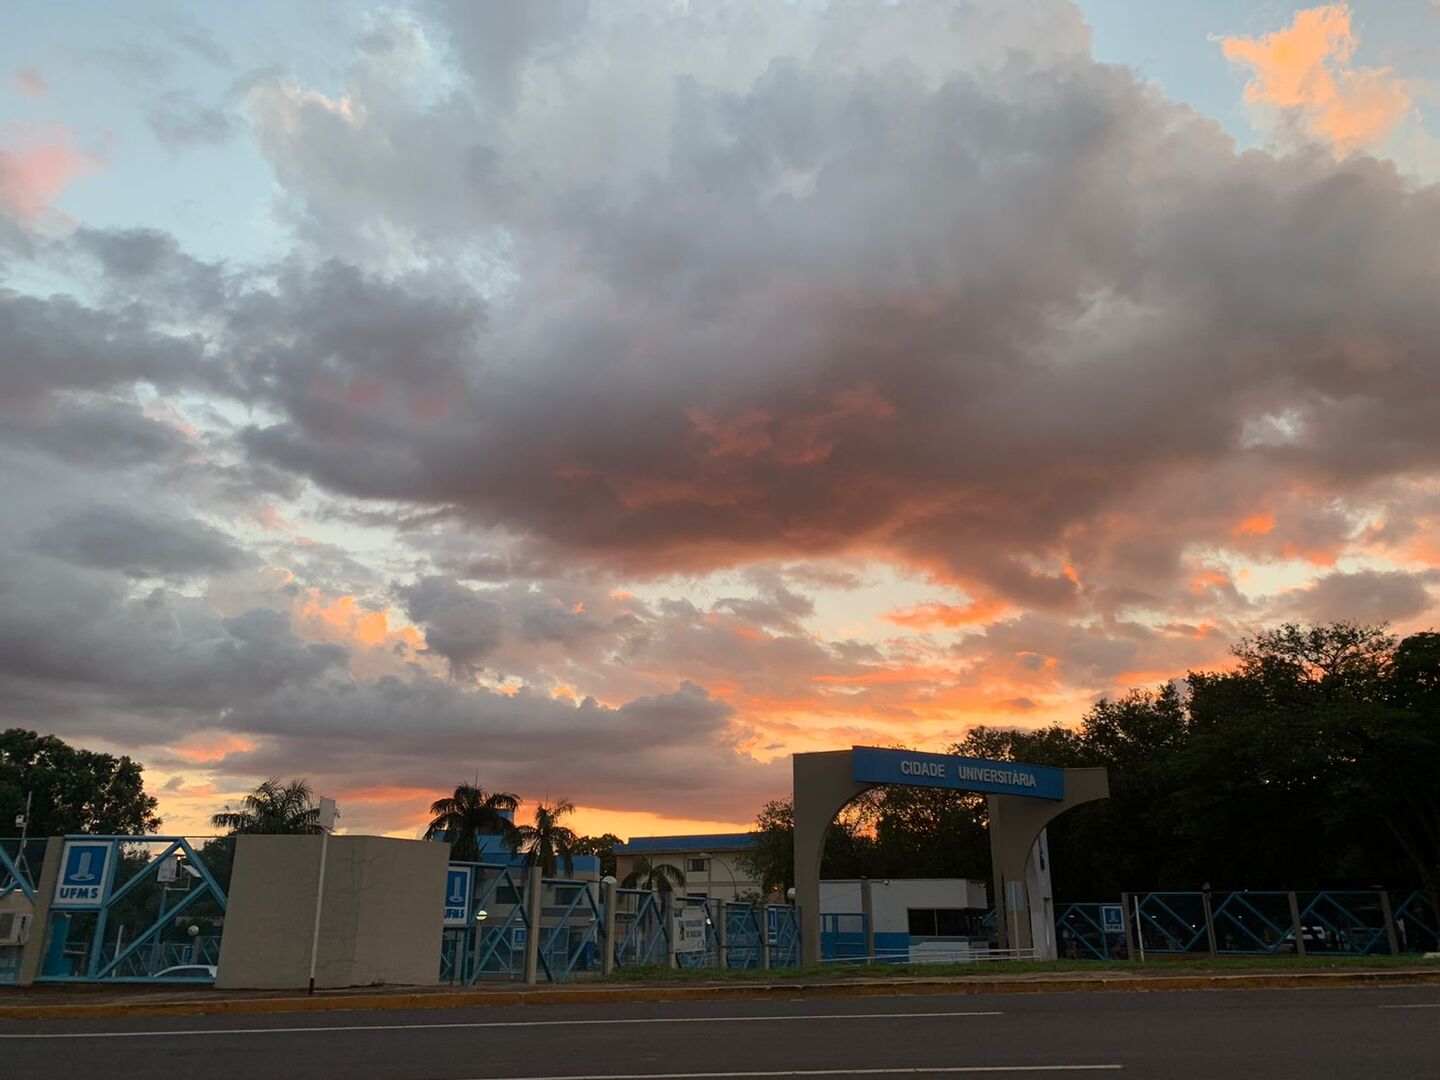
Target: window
x,y
697,866
698,895
566,894
945,922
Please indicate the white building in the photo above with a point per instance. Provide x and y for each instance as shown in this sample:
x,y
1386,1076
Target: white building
x,y
708,862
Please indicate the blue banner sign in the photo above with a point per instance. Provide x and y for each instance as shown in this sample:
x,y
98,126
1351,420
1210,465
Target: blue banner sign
x,y
84,874
870,764
1112,918
457,895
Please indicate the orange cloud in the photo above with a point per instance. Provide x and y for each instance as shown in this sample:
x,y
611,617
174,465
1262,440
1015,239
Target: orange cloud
x,y
933,615
1255,525
1305,71
35,165
204,749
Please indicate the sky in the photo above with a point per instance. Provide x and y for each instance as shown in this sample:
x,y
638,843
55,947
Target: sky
x,y
605,401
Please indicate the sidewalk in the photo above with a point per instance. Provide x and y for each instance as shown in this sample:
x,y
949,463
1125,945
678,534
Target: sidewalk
x,y
97,1002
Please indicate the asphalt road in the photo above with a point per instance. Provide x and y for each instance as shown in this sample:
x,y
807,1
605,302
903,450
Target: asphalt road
x,y
1330,1034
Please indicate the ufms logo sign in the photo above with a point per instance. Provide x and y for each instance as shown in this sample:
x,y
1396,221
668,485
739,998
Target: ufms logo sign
x,y
84,872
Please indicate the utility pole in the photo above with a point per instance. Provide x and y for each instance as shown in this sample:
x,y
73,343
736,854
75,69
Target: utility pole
x,y
24,831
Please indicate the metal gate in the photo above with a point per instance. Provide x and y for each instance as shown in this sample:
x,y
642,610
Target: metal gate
x,y
17,902
135,909
641,930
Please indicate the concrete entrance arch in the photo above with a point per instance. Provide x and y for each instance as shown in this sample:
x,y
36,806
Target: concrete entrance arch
x,y
1022,800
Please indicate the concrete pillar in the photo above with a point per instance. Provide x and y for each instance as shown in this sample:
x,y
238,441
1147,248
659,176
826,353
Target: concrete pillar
x,y
722,929
823,785
867,909
533,890
608,895
1129,929
765,938
1209,922
1295,922
669,916
1015,823
32,957
1389,923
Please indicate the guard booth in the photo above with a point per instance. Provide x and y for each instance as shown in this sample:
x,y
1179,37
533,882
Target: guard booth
x,y
1022,799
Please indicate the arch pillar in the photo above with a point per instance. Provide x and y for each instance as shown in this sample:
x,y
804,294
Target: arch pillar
x,y
1015,824
823,785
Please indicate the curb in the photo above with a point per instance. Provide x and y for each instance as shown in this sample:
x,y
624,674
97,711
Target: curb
x,y
1322,980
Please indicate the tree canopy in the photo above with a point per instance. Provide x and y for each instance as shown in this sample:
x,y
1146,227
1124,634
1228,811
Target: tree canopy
x,y
74,790
469,813
274,807
547,842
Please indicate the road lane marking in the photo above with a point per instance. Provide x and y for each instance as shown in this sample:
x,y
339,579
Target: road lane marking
x,y
913,1070
178,1032
1427,1005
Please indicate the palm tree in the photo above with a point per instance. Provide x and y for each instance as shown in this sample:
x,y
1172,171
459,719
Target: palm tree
x,y
657,877
468,814
547,841
274,807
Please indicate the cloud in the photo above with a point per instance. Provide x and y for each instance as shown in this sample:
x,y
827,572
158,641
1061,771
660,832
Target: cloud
x,y
30,82
179,121
109,537
36,163
1364,596
1305,72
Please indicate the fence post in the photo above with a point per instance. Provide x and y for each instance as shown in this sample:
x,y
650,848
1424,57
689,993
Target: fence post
x,y
533,888
764,936
721,932
1299,930
668,912
608,897
1209,921
867,912
1129,931
1389,923
32,953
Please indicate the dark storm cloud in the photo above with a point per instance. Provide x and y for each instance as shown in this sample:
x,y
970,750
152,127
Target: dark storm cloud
x,y
147,544
99,434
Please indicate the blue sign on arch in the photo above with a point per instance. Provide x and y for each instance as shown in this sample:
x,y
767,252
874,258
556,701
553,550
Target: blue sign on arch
x,y
871,764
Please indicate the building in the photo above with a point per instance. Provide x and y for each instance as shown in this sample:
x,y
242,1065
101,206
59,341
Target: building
x,y
709,863
915,919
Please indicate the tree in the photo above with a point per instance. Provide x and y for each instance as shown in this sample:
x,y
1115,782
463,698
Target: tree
x,y
548,843
74,790
658,877
274,807
469,813
602,847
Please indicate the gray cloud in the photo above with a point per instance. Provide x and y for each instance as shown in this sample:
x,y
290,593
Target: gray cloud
x,y
150,544
1365,596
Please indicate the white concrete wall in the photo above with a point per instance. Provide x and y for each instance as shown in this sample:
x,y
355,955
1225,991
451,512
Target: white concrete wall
x,y
380,919
892,898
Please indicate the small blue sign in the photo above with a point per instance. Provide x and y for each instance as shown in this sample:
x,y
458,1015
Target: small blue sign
x,y
772,926
876,766
457,895
1112,918
84,874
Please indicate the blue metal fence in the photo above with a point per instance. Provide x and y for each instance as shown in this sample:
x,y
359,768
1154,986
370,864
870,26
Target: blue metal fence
x,y
155,913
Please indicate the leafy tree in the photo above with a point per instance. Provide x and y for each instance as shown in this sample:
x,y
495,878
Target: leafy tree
x,y
658,877
547,842
469,813
602,847
74,790
274,807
